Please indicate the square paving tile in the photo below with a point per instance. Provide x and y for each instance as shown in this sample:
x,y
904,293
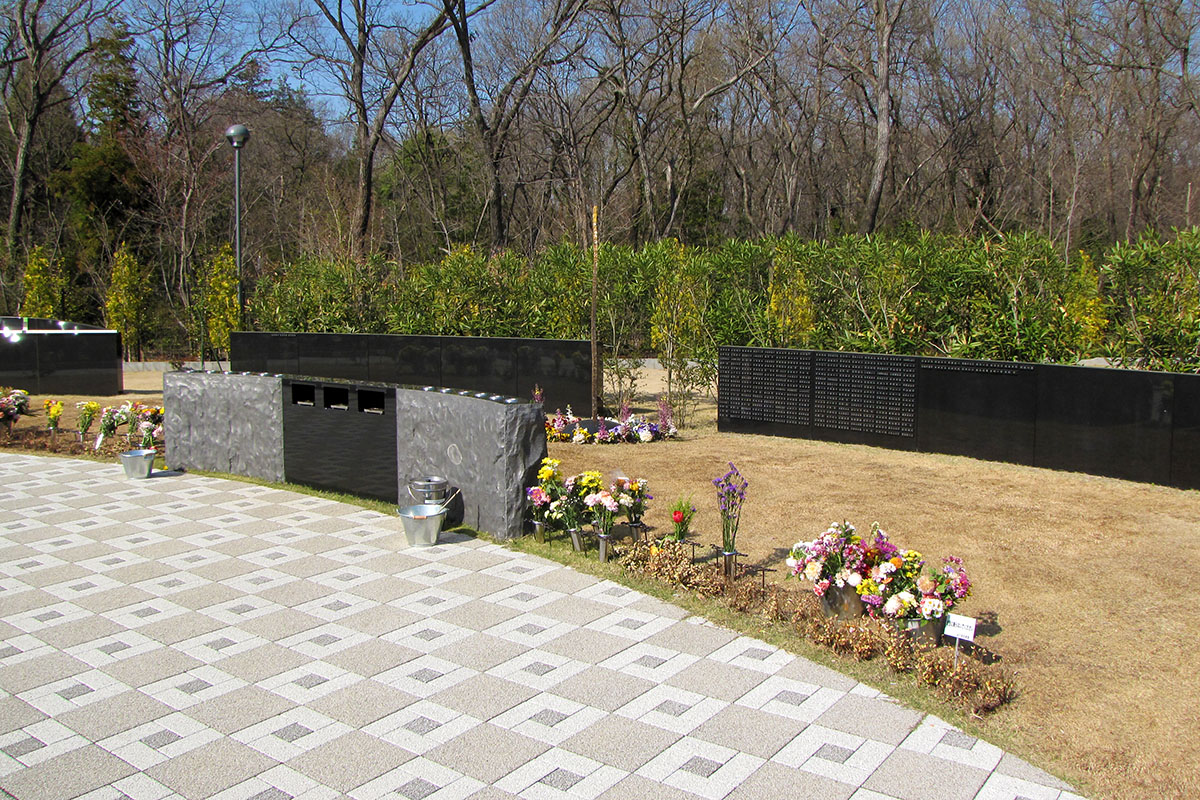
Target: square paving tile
x,y
371,657
745,729
350,761
156,741
885,721
419,779
291,733
425,676
603,688
150,666
561,773
262,662
484,696
727,682
487,753
239,709
421,726
69,775
278,783
908,775
46,667
114,714
549,718
786,697
619,742
776,780
834,754
362,703
206,771
677,710
538,669
700,767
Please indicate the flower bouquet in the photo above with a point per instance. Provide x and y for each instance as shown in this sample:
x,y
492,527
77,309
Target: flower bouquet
x,y
731,495
54,410
13,404
916,599
682,512
633,495
603,507
87,415
837,562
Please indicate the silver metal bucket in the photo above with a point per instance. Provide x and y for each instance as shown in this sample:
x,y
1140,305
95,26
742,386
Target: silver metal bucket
x,y
422,523
138,463
431,489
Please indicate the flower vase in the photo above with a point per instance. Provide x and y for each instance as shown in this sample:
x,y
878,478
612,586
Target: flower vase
x,y
605,548
922,631
636,529
576,539
729,563
539,531
842,602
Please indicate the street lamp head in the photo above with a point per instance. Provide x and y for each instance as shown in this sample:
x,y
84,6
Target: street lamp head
x,y
237,135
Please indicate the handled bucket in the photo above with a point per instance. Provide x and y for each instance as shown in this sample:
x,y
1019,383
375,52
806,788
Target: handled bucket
x,y
138,463
431,489
422,523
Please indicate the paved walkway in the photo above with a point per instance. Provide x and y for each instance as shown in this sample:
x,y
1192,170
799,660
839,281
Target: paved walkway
x,y
191,637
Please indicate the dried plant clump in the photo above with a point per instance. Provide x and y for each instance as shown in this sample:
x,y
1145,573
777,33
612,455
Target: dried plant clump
x,y
979,687
972,685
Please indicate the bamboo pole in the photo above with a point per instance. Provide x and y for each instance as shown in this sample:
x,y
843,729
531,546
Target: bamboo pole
x,y
597,367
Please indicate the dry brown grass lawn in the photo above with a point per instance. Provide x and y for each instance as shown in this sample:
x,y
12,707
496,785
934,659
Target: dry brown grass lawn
x,y
1085,582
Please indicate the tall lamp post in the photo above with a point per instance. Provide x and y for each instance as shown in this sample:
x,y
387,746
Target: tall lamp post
x,y
238,135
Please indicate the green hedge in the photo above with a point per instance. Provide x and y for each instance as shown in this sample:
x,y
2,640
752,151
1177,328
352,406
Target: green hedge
x,y
1011,297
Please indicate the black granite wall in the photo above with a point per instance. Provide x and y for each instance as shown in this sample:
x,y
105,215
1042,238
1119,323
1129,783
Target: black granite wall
x,y
71,359
1142,426
562,367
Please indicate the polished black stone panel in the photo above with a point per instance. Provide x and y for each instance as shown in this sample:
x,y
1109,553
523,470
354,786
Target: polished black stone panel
x,y
1185,436
412,360
49,361
273,353
561,367
87,363
1105,422
341,437
334,355
510,367
479,364
864,398
764,387
982,409
19,364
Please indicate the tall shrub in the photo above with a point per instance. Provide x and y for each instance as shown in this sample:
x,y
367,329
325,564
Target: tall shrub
x,y
1152,287
125,306
219,302
45,286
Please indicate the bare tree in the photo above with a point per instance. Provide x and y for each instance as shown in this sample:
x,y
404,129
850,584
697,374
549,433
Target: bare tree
x,y
522,46
370,51
43,43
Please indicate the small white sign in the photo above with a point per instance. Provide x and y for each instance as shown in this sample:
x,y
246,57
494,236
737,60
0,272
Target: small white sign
x,y
960,627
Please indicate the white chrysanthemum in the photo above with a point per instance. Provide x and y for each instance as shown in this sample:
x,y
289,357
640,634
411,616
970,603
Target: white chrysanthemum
x,y
932,607
812,570
854,579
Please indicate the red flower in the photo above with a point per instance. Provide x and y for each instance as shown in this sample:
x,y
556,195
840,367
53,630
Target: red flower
x,y
677,516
